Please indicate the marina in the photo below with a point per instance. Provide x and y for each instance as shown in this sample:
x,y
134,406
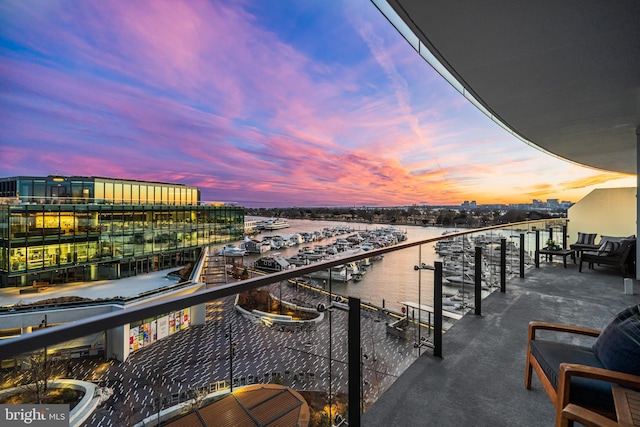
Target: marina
x,y
388,280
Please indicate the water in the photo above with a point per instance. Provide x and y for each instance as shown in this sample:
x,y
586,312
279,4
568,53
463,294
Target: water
x,y
392,279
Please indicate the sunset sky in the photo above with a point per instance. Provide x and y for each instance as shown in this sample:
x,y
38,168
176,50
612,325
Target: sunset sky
x,y
261,102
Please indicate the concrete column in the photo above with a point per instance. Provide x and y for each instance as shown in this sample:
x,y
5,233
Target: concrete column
x,y
198,314
118,343
93,272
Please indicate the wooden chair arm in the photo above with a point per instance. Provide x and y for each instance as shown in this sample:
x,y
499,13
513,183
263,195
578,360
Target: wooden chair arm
x,y
547,326
568,370
586,417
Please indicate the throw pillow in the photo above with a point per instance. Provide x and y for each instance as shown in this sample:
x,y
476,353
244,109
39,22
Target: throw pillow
x,y
618,346
586,238
614,247
605,248
622,246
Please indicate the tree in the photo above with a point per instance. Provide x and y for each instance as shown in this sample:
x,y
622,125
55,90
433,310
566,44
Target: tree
x,y
38,374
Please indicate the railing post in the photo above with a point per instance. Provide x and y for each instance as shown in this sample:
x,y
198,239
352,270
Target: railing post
x,y
537,256
355,370
564,236
503,265
437,309
522,255
478,279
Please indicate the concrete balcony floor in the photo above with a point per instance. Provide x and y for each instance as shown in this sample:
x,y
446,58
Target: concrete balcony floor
x,y
480,379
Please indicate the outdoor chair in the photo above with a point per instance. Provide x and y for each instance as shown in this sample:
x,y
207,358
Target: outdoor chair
x,y
578,378
585,242
618,253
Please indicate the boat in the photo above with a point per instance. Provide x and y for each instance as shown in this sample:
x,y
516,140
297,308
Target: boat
x,y
298,260
272,264
274,224
338,273
253,246
232,250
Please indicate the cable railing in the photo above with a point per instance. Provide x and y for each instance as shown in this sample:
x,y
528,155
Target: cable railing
x,y
290,329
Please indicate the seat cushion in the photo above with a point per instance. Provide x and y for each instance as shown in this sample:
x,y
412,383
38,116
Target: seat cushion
x,y
618,346
584,392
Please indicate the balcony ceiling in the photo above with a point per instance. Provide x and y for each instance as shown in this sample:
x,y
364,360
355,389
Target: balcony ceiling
x,y
565,75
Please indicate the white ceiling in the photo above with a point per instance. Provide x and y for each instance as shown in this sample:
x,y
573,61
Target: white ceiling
x,y
563,74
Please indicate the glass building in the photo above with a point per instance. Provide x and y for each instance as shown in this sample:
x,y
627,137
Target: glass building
x,y
59,229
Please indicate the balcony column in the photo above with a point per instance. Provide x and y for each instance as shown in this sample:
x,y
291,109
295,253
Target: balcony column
x,y
198,314
637,202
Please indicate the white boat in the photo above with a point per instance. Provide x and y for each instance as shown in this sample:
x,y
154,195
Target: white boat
x,y
338,273
232,250
274,224
298,260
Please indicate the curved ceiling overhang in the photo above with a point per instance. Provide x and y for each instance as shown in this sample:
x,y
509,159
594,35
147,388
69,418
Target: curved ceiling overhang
x,y
561,76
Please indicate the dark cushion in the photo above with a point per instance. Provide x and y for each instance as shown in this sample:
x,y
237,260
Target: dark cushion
x,y
586,238
623,246
618,346
608,245
584,392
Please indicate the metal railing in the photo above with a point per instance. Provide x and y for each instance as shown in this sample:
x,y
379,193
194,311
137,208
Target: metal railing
x,y
357,309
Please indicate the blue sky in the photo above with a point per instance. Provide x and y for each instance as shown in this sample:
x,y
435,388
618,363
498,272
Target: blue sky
x,y
263,103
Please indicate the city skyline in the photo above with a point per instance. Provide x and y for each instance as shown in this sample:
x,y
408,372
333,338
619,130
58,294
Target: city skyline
x,y
264,104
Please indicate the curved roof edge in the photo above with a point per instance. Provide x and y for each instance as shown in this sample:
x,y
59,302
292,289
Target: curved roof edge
x,y
437,62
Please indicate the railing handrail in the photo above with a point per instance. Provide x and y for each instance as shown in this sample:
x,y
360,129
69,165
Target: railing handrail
x,y
12,347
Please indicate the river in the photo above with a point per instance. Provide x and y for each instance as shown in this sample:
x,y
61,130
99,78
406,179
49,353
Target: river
x,y
392,279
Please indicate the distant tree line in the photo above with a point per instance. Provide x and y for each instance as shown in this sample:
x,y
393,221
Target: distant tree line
x,y
407,215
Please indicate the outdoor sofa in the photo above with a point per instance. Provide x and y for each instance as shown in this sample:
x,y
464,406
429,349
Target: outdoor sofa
x,y
614,251
585,242
580,377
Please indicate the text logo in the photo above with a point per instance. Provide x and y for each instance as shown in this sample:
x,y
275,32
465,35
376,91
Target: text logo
x,y
34,415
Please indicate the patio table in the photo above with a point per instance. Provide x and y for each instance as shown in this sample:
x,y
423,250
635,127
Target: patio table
x,y
559,252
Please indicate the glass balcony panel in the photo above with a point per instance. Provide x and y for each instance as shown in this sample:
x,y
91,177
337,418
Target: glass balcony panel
x,y
295,332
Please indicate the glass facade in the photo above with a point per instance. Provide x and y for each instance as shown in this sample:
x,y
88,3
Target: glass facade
x,y
59,241
95,190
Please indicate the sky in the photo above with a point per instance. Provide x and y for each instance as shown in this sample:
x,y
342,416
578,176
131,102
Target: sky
x,y
263,103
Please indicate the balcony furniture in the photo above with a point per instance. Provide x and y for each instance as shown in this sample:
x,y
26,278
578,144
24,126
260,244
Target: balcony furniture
x,y
582,376
564,253
627,404
585,242
620,254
